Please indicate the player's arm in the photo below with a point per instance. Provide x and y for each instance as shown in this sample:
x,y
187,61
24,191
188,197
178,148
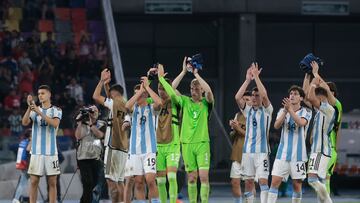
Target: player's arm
x,y
280,118
306,86
240,93
208,93
315,70
97,92
26,117
262,90
181,75
131,102
168,88
311,97
146,84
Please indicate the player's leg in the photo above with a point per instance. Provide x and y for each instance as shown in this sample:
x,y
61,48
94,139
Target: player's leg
x,y
128,190
139,188
172,163
109,175
161,173
191,170
280,171
298,174
262,172
202,151
149,164
33,191
52,188
330,168
248,171
235,175
121,158
317,169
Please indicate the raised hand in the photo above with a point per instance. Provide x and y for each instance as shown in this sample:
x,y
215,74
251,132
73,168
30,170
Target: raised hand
x,y
145,82
255,70
234,124
29,99
105,75
160,71
195,71
184,66
249,75
315,67
316,81
286,103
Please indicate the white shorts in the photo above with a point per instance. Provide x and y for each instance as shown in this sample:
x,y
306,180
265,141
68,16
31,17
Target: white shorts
x,y
128,166
281,168
255,165
235,170
141,164
114,164
318,164
44,165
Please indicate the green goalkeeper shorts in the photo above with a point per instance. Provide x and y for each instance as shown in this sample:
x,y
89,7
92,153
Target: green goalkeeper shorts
x,y
167,156
196,156
332,162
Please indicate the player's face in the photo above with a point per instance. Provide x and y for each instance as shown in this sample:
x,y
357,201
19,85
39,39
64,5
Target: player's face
x,y
143,97
255,98
162,93
196,91
114,94
295,97
43,95
247,100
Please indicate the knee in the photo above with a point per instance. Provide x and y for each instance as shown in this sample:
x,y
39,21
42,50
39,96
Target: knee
x,y
171,176
204,178
151,183
139,185
235,183
192,178
34,182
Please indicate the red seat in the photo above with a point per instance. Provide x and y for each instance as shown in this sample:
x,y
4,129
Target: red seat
x,y
78,14
79,26
62,14
46,26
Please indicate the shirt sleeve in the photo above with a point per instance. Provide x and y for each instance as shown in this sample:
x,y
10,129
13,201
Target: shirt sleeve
x,y
279,113
108,103
327,109
32,115
57,113
246,110
269,109
307,115
170,91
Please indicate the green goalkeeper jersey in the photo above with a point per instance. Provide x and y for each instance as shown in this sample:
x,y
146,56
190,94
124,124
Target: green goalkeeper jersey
x,y
337,124
195,116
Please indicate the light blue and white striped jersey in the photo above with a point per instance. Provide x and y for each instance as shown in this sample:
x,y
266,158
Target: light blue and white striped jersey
x,y
257,128
44,135
323,124
143,130
292,145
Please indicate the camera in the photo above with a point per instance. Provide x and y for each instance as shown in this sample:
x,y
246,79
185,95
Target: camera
x,y
84,113
152,74
195,61
305,63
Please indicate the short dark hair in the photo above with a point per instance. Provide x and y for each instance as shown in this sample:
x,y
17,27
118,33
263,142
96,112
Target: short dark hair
x,y
247,93
118,88
333,88
321,91
255,89
45,87
297,88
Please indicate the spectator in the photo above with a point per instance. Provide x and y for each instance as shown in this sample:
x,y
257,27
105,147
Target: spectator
x,y
12,101
25,60
84,46
75,91
16,39
22,163
46,72
10,63
100,50
5,81
26,80
49,45
14,119
6,44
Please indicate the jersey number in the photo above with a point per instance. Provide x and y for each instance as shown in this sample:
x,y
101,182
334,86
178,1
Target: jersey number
x,y
300,167
266,165
43,122
311,163
55,164
151,162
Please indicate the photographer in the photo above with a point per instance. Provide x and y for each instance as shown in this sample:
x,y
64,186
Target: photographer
x,y
88,133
